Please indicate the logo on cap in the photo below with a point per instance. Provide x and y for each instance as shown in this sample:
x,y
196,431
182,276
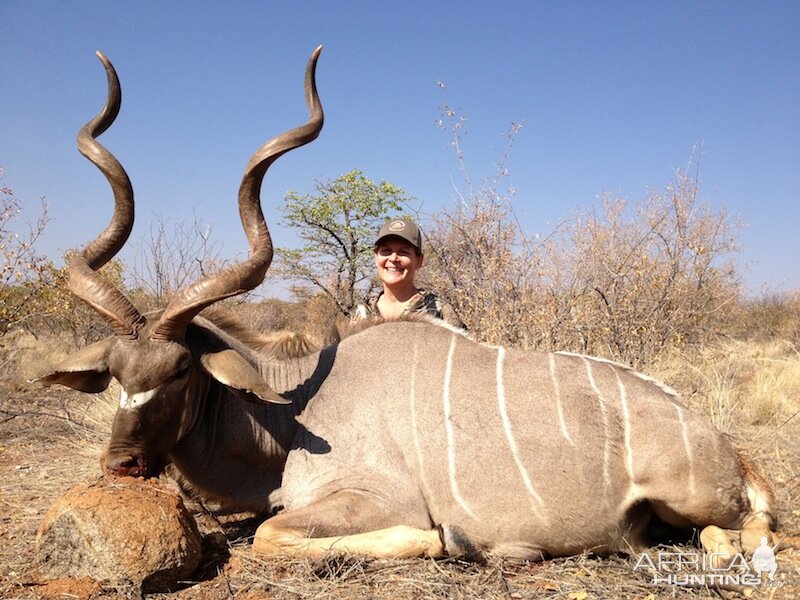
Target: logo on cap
x,y
404,229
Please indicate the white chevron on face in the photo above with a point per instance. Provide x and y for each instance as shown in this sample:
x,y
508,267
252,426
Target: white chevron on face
x,y
135,400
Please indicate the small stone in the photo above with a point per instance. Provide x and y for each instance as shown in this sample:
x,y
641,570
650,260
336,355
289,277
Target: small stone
x,y
120,530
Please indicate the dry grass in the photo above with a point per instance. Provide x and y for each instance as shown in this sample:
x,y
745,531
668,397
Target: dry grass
x,y
736,383
50,440
775,384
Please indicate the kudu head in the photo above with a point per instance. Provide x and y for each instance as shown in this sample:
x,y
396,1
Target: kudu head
x,y
160,360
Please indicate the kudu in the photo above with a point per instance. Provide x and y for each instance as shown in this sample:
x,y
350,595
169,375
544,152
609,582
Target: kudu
x,y
406,438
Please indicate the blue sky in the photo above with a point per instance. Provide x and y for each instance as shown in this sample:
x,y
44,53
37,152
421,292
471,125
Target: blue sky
x,y
613,97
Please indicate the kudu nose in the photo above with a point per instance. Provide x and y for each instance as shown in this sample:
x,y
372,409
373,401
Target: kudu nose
x,y
124,464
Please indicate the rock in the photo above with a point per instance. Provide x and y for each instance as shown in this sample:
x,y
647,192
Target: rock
x,y
120,530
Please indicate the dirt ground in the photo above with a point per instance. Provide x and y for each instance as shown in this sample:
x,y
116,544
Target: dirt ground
x,y
50,440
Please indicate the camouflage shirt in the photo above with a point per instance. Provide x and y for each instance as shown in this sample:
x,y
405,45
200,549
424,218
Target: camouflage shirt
x,y
424,302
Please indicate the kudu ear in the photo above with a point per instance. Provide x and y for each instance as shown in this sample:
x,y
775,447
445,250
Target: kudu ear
x,y
231,369
85,370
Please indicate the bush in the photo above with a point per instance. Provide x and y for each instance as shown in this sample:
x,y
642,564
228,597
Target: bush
x,y
772,316
629,283
23,272
55,310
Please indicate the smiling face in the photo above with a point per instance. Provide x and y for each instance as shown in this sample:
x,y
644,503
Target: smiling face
x,y
397,262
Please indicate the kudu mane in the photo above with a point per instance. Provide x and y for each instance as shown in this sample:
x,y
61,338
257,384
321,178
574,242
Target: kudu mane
x,y
276,345
342,329
286,345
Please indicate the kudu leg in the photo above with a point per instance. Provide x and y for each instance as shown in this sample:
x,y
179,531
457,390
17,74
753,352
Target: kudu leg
x,y
399,541
750,535
723,544
739,526
718,544
341,523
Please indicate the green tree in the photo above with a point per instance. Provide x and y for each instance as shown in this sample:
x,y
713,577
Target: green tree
x,y
337,226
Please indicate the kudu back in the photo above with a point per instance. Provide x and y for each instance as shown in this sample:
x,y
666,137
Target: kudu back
x,y
405,439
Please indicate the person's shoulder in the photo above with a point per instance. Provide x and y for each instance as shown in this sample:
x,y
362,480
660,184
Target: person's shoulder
x,y
433,304
431,298
367,309
427,301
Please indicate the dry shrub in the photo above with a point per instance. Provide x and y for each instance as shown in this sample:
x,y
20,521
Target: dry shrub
x,y
172,256
643,281
771,316
629,283
56,311
312,315
23,271
478,258
737,383
478,261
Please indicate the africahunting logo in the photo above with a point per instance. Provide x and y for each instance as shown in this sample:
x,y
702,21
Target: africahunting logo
x,y
693,569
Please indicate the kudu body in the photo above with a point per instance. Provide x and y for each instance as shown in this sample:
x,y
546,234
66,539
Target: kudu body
x,y
406,438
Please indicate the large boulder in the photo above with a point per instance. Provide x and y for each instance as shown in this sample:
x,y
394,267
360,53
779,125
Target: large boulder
x,y
120,530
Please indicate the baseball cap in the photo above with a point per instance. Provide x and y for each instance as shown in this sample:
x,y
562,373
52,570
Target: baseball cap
x,y
403,228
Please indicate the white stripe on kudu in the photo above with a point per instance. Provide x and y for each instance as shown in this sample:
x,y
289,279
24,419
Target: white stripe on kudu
x,y
451,449
626,423
687,446
604,413
562,422
412,400
512,443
